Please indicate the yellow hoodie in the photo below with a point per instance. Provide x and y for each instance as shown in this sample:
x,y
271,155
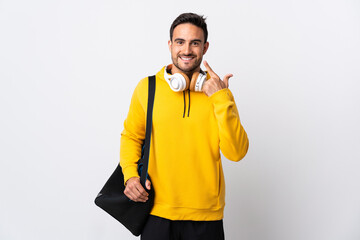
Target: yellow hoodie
x,y
189,129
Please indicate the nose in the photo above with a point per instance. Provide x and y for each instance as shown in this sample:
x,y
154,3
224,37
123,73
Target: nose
x,y
187,49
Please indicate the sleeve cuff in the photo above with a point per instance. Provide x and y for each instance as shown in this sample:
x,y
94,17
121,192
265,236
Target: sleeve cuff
x,y
221,96
130,172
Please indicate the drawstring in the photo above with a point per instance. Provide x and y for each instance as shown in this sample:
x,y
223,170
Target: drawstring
x,y
189,103
185,104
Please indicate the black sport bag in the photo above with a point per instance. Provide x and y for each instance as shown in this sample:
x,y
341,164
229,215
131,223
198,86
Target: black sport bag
x,y
133,215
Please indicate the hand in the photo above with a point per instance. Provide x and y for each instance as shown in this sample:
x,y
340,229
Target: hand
x,y
214,84
135,191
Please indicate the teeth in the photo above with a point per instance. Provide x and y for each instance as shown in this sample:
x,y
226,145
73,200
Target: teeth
x,y
186,58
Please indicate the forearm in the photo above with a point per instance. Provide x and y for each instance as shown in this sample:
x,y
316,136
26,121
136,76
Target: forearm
x,y
234,142
130,153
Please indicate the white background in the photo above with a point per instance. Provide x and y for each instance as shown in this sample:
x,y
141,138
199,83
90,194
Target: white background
x,y
67,72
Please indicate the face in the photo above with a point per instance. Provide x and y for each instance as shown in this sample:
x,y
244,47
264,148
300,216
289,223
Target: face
x,y
187,48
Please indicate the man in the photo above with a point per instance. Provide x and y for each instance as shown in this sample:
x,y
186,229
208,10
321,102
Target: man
x,y
187,136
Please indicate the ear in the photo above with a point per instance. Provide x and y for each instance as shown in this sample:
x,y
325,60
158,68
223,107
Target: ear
x,y
169,44
206,47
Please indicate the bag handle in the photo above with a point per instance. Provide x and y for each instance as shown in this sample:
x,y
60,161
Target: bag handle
x,y
151,95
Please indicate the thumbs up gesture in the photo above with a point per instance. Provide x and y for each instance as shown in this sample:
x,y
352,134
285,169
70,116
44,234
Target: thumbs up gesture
x,y
214,84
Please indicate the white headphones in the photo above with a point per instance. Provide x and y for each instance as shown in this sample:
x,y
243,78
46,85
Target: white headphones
x,y
181,82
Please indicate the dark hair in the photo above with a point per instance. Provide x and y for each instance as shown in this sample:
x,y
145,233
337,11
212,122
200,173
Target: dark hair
x,y
192,18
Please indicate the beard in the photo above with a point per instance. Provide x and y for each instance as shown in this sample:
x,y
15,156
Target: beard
x,y
187,68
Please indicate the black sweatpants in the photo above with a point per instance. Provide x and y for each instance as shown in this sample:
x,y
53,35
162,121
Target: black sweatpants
x,y
158,228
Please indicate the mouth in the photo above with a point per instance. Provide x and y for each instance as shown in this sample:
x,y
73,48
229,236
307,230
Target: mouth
x,y
186,58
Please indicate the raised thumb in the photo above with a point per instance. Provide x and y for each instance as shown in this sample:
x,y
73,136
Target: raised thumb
x,y
226,79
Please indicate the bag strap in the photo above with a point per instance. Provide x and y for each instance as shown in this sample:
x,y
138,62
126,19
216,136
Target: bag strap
x,y
151,95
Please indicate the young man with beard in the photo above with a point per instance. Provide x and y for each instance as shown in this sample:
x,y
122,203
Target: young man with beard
x,y
194,117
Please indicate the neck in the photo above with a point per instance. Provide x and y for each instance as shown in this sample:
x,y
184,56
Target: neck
x,y
174,70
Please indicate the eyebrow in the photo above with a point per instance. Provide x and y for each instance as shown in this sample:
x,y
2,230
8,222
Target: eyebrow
x,y
194,40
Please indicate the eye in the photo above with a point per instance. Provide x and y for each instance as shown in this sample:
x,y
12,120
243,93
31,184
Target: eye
x,y
179,42
195,43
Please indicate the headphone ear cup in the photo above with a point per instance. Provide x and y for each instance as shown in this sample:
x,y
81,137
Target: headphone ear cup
x,y
179,82
194,80
187,80
197,81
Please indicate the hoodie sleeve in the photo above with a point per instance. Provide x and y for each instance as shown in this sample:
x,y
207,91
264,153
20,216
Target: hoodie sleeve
x,y
234,142
133,135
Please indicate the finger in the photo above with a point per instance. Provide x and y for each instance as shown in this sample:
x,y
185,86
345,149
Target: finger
x,y
135,198
136,192
148,184
226,79
141,198
209,70
138,197
141,192
136,187
130,195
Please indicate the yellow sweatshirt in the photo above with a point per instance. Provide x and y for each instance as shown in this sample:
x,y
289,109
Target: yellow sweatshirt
x,y
189,129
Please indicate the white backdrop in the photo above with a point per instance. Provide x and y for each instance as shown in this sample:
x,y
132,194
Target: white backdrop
x,y
68,69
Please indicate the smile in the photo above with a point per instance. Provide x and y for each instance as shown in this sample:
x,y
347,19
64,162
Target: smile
x,y
186,59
